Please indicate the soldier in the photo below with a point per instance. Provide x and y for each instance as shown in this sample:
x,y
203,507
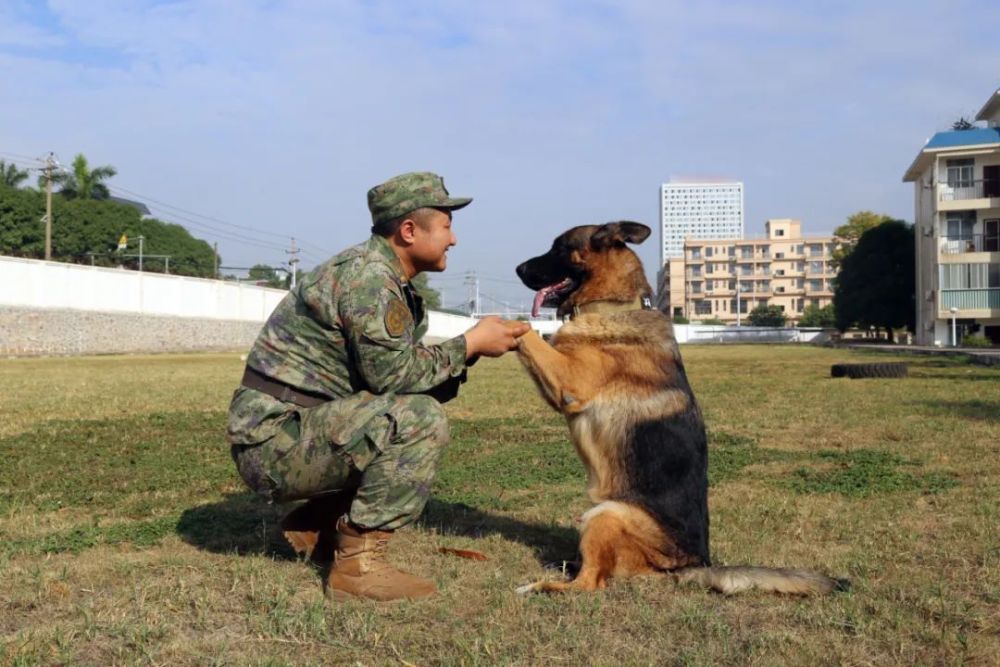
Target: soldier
x,y
340,401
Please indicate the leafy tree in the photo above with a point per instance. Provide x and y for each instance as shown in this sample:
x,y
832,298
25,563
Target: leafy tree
x,y
265,273
814,316
432,298
82,182
767,316
11,176
849,233
963,123
875,287
86,231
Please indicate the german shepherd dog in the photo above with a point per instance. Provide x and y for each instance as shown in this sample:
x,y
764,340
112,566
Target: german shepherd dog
x,y
615,372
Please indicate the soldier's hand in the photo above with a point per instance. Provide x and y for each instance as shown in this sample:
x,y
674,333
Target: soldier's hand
x,y
493,336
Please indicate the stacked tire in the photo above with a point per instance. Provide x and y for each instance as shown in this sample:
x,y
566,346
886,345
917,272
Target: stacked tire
x,y
859,371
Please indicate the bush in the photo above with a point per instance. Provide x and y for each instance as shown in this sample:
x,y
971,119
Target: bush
x,y
713,321
680,319
976,341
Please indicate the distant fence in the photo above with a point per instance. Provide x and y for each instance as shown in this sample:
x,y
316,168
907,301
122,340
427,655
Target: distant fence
x,y
696,333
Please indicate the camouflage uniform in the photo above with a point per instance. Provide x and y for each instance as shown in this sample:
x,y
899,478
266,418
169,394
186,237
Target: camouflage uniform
x,y
351,332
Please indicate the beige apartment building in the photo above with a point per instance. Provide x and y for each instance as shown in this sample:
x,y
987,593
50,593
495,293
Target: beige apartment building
x,y
725,279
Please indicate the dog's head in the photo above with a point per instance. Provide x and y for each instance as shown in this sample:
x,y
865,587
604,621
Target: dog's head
x,y
587,263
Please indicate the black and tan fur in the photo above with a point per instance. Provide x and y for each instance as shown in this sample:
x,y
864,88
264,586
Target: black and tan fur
x,y
615,372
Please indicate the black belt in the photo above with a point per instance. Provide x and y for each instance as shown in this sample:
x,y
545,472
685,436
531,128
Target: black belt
x,y
254,379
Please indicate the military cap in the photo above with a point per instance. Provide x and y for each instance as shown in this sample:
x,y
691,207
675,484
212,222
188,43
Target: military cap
x,y
408,192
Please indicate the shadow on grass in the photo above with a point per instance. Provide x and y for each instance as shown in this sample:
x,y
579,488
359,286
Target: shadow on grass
x,y
242,524
978,410
550,542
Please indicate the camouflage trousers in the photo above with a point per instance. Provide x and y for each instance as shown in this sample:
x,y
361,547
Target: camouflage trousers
x,y
384,449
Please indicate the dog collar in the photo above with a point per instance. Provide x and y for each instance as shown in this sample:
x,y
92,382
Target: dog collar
x,y
598,307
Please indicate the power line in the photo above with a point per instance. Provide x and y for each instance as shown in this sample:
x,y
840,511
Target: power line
x,y
226,223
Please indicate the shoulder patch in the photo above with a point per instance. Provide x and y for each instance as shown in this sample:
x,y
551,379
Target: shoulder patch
x,y
397,318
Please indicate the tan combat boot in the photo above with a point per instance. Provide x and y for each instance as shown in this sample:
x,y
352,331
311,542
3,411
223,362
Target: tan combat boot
x,y
360,568
311,527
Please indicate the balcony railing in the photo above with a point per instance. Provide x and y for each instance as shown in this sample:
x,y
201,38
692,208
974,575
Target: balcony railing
x,y
971,299
956,245
960,190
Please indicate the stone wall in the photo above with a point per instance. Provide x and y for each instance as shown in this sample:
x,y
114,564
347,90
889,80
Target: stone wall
x,y
57,332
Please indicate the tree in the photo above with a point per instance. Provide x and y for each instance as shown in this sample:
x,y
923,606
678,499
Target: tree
x,y
767,316
875,287
962,124
265,273
814,316
11,176
431,297
849,233
83,182
87,231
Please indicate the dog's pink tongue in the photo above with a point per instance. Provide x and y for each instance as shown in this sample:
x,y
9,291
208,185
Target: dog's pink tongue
x,y
539,298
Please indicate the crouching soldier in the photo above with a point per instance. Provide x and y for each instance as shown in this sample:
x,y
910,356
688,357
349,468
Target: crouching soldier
x,y
340,402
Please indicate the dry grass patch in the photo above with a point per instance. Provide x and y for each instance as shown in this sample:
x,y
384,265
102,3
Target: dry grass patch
x,y
129,539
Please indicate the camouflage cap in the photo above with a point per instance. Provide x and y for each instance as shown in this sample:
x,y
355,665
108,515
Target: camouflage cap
x,y
408,192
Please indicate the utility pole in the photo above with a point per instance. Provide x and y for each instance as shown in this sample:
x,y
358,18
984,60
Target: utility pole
x,y
215,260
50,163
293,261
141,239
472,281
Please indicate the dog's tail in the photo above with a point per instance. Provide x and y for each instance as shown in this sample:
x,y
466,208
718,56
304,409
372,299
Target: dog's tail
x,y
735,579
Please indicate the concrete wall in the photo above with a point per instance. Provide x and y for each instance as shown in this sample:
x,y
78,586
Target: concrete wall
x,y
30,283
59,332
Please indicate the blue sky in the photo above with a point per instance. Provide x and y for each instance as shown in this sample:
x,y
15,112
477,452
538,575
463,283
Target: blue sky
x,y
279,116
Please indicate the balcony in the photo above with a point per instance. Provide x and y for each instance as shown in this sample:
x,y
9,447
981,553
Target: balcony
x,y
968,189
957,245
971,299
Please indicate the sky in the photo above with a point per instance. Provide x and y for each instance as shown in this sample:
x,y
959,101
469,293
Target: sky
x,y
277,117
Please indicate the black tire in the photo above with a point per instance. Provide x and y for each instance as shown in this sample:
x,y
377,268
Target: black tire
x,y
858,371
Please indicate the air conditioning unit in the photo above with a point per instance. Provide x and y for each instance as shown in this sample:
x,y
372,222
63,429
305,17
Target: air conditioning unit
x,y
929,295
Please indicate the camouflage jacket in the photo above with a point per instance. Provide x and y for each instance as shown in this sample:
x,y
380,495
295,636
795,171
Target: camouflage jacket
x,y
352,325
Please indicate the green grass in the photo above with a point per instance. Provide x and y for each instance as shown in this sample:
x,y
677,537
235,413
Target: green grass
x,y
128,537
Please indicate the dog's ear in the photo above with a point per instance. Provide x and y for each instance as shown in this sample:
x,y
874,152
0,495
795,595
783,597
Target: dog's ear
x,y
619,233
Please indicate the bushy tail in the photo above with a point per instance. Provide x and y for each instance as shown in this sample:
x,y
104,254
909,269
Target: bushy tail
x,y
729,580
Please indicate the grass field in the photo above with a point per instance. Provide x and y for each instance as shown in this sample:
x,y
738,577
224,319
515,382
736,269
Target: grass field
x,y
127,537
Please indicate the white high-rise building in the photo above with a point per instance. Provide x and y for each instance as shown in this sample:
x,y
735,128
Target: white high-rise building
x,y
698,210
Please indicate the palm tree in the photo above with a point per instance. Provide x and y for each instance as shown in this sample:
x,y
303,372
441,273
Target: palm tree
x,y
11,175
83,182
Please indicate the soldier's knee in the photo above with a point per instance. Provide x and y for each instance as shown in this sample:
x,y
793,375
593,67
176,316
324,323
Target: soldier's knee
x,y
423,413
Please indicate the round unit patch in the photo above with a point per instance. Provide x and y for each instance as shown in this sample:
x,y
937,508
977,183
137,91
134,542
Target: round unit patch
x,y
397,318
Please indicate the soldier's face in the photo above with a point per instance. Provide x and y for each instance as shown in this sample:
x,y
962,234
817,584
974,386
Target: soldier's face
x,y
431,241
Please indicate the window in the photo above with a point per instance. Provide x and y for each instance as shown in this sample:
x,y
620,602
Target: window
x,y
815,267
779,232
702,307
959,172
969,276
960,224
